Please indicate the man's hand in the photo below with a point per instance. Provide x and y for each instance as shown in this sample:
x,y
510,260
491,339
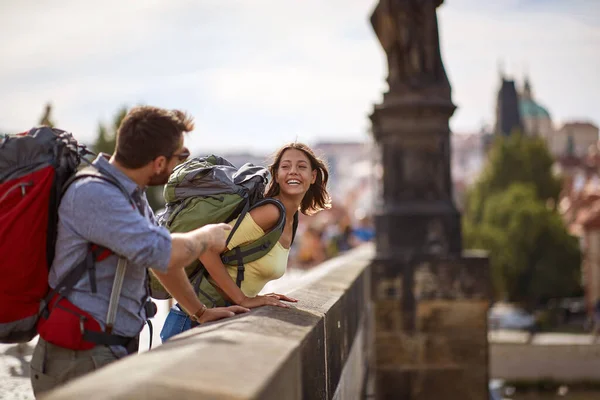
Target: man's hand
x,y
215,236
217,313
272,299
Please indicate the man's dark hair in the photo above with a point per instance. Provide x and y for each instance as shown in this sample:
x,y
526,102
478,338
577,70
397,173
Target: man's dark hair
x,y
150,132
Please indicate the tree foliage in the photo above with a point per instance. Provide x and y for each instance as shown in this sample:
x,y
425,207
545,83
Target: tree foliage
x,y
514,159
510,212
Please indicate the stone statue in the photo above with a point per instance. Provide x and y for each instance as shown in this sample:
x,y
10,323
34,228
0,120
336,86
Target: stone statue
x,y
408,32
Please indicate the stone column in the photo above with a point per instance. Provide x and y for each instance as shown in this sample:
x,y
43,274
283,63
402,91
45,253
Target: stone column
x,y
430,299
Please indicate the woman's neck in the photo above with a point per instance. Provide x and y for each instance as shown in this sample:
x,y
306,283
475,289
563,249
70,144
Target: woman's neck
x,y
291,205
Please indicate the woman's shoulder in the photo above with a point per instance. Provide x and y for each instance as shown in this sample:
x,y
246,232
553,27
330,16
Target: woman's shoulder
x,y
265,216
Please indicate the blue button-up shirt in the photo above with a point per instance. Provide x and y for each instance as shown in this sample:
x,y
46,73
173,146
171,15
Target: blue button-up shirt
x,y
95,211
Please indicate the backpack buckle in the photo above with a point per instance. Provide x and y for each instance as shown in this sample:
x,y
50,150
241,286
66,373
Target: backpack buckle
x,y
240,274
150,308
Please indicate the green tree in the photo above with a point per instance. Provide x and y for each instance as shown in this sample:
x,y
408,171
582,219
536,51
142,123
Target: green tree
x,y
510,212
514,159
106,141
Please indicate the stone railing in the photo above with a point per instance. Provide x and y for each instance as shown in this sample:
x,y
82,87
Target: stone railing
x,y
571,360
315,350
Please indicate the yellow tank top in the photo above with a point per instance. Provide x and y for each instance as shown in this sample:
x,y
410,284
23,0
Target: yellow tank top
x,y
270,267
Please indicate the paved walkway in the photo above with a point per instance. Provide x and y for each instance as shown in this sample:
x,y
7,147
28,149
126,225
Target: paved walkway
x,y
14,371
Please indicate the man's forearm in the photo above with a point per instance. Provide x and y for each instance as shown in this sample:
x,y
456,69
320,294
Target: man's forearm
x,y
176,282
186,248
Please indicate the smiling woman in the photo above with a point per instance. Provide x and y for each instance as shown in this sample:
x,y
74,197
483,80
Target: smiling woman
x,y
299,184
290,160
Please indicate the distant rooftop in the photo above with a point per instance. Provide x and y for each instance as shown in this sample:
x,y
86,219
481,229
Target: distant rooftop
x,y
579,124
531,109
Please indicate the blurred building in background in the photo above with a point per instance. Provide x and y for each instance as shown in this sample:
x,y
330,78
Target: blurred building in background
x,y
517,109
467,160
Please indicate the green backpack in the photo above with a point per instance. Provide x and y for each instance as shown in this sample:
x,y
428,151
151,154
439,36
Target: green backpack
x,y
210,190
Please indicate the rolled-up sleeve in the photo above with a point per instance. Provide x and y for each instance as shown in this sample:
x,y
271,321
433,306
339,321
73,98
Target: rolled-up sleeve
x,y
101,214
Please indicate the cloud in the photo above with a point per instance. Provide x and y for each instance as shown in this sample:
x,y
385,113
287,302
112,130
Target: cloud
x,y
553,48
256,74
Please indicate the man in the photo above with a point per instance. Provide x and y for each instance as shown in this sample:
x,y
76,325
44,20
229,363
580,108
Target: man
x,y
92,210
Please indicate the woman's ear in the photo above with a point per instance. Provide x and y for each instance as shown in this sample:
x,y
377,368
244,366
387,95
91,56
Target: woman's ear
x,y
314,176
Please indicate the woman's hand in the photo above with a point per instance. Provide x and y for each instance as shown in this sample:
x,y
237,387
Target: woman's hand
x,y
282,297
272,299
217,313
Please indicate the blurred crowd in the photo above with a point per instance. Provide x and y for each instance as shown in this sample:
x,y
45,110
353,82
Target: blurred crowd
x,y
328,234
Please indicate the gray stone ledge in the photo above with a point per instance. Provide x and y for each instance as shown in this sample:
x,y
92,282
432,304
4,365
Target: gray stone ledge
x,y
270,353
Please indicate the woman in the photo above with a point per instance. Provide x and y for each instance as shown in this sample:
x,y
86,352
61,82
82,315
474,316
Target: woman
x,y
300,184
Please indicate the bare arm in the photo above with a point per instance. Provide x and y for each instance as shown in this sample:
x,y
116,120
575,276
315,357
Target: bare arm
x,y
177,283
185,248
265,217
188,247
218,272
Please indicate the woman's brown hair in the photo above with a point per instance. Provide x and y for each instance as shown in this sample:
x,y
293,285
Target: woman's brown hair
x,y
316,198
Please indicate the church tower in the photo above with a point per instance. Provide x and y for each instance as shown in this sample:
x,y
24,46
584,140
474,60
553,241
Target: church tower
x,y
508,116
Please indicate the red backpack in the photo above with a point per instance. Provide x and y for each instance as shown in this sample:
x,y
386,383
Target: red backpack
x,y
35,168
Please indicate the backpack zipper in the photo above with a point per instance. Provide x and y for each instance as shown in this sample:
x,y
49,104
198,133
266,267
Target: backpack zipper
x,y
221,198
22,185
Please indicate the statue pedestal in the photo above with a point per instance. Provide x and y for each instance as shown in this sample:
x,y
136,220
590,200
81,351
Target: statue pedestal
x,y
417,213
430,300
430,328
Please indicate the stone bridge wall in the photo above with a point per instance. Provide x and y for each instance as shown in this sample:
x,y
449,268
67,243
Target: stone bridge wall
x,y
316,350
563,363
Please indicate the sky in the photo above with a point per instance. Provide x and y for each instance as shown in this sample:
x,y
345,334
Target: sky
x,y
257,74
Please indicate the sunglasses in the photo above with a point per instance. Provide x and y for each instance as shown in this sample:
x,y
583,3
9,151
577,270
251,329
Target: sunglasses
x,y
184,155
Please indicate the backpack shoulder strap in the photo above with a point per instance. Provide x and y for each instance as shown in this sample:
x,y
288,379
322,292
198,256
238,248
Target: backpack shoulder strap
x,y
294,227
240,255
93,171
95,253
73,276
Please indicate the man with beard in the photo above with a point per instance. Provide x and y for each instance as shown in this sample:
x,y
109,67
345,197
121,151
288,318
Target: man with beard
x,y
110,212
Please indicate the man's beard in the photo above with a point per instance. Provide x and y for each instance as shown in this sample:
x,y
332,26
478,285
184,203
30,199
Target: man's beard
x,y
159,179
